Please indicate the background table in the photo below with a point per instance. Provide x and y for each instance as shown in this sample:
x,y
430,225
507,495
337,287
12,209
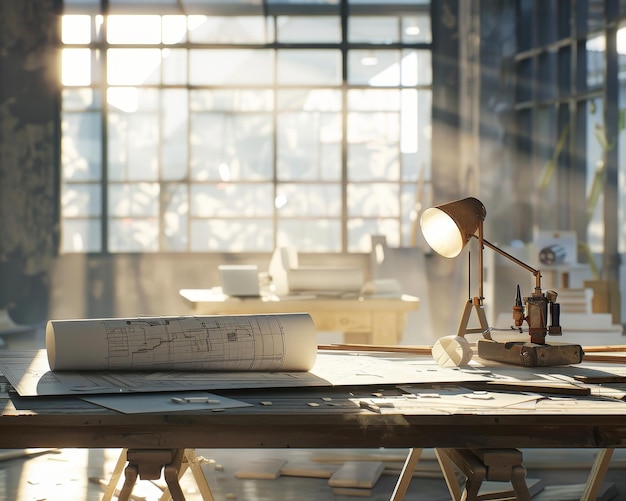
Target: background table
x,y
366,319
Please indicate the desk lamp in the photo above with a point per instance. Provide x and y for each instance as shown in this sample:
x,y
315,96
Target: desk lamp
x,y
447,228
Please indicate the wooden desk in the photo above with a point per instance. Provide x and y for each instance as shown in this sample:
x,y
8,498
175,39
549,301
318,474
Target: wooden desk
x,y
290,422
366,320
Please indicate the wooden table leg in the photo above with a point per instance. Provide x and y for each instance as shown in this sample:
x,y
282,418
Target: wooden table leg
x,y
130,478
147,464
190,460
406,474
194,463
385,329
109,492
449,474
478,465
518,481
596,475
170,472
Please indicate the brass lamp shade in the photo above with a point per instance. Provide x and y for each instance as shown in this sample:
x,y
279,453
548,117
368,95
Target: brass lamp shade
x,y
448,227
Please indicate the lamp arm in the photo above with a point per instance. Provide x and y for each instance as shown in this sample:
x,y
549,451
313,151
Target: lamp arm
x,y
505,254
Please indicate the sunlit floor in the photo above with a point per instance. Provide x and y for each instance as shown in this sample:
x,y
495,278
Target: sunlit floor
x,y
81,474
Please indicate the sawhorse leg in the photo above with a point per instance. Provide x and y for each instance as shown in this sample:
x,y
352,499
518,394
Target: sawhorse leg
x,y
596,475
406,474
190,460
148,463
477,465
109,492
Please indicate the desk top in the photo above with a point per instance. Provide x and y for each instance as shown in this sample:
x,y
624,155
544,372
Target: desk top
x,y
404,302
571,413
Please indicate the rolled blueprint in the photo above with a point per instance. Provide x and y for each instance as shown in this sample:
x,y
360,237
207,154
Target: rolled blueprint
x,y
265,342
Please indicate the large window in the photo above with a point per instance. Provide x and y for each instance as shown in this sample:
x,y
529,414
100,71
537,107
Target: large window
x,y
220,127
570,68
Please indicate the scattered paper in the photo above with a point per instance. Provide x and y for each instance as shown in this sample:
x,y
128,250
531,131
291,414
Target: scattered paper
x,y
162,402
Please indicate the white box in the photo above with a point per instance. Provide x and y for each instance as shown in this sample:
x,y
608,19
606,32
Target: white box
x,y
239,279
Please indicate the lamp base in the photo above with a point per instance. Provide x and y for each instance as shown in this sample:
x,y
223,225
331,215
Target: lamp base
x,y
530,354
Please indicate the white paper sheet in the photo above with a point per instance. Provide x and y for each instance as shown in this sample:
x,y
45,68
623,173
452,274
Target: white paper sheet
x,y
285,342
163,402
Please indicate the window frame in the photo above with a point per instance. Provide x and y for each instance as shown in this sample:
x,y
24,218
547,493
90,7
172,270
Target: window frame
x,y
405,187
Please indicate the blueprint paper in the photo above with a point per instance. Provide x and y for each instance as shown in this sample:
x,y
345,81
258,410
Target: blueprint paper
x,y
265,342
30,375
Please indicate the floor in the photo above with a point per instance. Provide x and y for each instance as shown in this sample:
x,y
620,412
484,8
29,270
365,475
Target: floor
x,y
78,474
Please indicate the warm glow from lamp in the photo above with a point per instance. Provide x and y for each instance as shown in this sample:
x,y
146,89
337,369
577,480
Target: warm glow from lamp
x,y
442,233
448,227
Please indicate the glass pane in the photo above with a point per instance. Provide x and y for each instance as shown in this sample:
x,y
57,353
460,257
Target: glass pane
x,y
412,200
138,3
174,29
174,66
81,200
595,61
596,142
85,3
76,66
373,200
226,30
232,200
232,235
133,235
304,2
81,146
595,15
415,135
226,147
319,235
309,146
416,29
360,233
373,146
546,76
621,140
564,71
81,235
422,159
174,142
373,29
133,66
134,29
81,99
236,67
416,68
376,68
309,99
134,200
311,200
525,80
232,100
309,67
308,29
374,100
526,15
546,22
396,2
76,29
134,140
175,217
